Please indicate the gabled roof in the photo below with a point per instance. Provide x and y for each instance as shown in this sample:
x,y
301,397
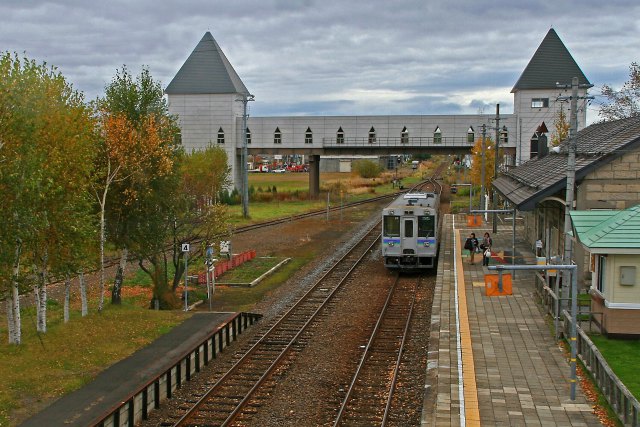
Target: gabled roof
x,y
206,71
608,229
552,63
538,178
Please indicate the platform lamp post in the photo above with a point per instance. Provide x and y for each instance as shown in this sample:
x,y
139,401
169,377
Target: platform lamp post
x,y
245,155
494,204
483,167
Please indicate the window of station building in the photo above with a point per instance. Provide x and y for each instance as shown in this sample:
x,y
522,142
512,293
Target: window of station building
x,y
277,136
504,135
220,136
391,226
471,135
248,136
426,226
404,136
372,135
533,148
540,103
308,136
340,136
437,136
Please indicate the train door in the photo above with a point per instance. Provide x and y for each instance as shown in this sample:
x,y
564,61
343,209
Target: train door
x,y
408,235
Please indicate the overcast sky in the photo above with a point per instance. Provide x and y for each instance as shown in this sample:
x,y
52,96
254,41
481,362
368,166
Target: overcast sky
x,y
331,57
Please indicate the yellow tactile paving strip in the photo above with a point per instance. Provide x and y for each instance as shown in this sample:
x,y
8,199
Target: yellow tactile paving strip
x,y
472,412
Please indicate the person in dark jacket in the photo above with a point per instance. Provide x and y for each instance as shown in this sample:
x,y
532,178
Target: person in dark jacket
x,y
471,244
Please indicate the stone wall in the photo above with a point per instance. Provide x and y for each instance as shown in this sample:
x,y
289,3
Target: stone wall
x,y
615,185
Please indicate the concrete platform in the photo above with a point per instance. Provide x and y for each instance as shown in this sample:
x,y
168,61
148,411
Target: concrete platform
x,y
117,386
493,360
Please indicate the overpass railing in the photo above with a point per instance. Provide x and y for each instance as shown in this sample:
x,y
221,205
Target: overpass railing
x,y
400,142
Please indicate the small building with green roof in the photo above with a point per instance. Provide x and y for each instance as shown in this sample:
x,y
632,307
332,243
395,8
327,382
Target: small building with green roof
x,y
611,239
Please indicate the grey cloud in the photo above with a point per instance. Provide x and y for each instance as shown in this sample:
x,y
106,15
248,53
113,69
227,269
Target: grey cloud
x,y
293,55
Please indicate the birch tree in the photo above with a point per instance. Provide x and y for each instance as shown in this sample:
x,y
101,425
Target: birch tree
x,y
138,137
45,159
625,102
135,125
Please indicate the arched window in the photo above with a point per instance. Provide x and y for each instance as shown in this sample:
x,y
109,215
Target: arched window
x,y
437,136
534,149
248,136
372,135
277,136
404,136
308,136
220,136
340,136
471,135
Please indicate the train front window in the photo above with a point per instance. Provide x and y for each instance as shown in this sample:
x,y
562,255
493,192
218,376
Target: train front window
x,y
391,226
426,226
408,228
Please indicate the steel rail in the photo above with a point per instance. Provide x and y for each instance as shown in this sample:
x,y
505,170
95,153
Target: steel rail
x,y
195,408
392,389
363,359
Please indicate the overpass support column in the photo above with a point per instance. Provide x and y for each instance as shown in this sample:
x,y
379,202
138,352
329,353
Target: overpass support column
x,y
314,176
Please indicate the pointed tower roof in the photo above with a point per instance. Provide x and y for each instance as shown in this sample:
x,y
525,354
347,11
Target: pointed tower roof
x,y
552,63
206,71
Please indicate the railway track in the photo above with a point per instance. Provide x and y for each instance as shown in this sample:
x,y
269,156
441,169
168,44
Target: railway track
x,y
228,399
369,397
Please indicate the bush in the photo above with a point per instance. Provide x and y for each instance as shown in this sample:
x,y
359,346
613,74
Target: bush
x,y
367,168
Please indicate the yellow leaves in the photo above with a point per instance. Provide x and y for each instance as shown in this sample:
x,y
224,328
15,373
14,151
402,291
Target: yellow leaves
x,y
135,147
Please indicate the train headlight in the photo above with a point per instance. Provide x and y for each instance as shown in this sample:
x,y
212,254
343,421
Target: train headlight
x,y
390,243
426,244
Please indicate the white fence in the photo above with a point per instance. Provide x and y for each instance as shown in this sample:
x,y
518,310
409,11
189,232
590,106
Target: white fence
x,y
625,405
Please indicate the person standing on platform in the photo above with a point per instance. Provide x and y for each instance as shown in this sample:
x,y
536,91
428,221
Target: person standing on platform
x,y
471,244
486,248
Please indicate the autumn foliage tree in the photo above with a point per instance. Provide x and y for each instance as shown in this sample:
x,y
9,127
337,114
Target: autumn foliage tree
x,y
139,149
134,126
489,162
46,154
200,216
561,128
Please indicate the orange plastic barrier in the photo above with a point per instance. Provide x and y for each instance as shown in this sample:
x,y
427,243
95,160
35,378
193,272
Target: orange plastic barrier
x,y
491,285
474,220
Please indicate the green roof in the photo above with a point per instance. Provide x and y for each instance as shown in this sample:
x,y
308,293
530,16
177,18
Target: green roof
x,y
551,64
206,71
608,229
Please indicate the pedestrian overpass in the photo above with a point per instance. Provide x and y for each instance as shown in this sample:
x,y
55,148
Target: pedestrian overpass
x,y
381,146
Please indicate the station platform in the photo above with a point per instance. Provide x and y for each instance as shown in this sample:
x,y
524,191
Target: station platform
x,y
114,397
493,360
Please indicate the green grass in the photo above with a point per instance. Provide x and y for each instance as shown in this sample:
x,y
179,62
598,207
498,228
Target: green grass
x,y
68,356
243,299
72,354
623,356
250,270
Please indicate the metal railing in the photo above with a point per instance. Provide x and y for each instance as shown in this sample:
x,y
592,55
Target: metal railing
x,y
397,141
623,403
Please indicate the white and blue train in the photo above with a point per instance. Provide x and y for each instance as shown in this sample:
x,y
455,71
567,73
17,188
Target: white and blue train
x,y
410,231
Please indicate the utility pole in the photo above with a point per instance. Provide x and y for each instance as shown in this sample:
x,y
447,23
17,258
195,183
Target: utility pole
x,y
244,157
571,171
494,204
482,170
570,277
571,163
